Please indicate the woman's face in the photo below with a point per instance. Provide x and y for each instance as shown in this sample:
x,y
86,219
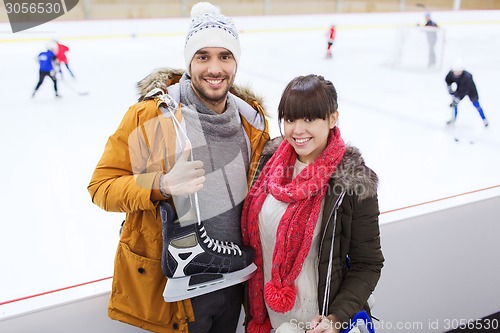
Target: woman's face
x,y
309,136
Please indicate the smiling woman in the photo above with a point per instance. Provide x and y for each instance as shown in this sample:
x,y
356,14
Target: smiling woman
x,y
291,215
309,107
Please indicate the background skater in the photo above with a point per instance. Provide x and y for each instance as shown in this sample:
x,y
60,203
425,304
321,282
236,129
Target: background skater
x,y
464,86
330,39
46,61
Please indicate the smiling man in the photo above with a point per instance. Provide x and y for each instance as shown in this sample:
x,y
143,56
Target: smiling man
x,y
213,70
179,165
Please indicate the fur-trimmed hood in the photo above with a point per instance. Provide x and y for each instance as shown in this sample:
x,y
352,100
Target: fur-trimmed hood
x,y
159,79
164,77
352,175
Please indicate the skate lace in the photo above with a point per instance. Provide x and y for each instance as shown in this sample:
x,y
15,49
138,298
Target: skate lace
x,y
219,246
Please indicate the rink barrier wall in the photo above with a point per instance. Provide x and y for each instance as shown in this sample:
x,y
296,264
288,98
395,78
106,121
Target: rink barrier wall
x,y
441,269
441,264
139,9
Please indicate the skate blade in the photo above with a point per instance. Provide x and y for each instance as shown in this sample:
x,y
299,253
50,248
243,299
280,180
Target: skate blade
x,y
179,288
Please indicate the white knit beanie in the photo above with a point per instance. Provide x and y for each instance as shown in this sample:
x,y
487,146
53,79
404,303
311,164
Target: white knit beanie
x,y
209,28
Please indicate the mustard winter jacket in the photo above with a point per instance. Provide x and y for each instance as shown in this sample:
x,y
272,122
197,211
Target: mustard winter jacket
x,y
118,184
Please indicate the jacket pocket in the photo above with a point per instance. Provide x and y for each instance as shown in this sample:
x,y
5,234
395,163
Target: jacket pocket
x,y
138,285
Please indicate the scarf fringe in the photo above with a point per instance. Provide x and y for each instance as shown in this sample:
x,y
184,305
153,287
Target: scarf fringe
x,y
254,327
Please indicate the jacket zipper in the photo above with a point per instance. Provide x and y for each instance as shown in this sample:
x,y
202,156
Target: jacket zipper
x,y
336,206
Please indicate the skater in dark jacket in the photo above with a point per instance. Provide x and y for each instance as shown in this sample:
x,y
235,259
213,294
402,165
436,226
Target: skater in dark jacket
x,y
45,60
465,86
431,32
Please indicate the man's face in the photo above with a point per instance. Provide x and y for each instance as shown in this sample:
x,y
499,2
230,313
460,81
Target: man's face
x,y
213,70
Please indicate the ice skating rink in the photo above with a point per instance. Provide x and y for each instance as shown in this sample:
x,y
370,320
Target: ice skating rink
x,y
52,236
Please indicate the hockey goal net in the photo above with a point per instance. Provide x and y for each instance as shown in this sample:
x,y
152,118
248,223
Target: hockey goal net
x,y
419,47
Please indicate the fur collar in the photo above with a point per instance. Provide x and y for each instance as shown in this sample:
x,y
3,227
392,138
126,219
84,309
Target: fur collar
x,y
352,175
164,77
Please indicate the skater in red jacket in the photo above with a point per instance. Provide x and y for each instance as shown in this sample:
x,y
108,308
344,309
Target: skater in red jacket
x,y
331,38
62,58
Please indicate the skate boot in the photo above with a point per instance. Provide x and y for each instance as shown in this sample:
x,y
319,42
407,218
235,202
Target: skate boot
x,y
451,122
486,122
195,263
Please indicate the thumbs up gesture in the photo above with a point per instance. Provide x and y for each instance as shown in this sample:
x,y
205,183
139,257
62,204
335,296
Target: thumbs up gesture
x,y
186,177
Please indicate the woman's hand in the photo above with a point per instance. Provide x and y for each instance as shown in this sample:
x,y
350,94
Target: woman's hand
x,y
321,324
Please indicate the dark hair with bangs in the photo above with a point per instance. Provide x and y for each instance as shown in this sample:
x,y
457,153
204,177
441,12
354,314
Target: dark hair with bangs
x,y
308,97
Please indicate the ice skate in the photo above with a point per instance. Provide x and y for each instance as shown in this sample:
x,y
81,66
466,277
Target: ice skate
x,y
195,263
451,122
486,123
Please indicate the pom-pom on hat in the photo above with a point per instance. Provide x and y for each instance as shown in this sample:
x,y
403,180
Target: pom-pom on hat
x,y
209,28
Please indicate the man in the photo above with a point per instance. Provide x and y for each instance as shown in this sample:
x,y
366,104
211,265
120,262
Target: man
x,y
464,86
430,30
46,61
189,136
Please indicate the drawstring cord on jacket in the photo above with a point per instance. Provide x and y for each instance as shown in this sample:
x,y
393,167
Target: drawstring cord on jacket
x,y
326,297
171,106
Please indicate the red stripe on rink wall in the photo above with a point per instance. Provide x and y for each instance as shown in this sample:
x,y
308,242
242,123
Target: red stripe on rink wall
x,y
54,291
441,199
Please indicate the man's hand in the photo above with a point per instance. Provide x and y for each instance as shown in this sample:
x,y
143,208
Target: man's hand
x,y
186,177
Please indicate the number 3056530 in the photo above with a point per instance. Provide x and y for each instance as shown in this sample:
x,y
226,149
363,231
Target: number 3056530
x,y
33,8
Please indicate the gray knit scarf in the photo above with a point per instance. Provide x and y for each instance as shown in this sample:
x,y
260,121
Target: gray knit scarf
x,y
219,141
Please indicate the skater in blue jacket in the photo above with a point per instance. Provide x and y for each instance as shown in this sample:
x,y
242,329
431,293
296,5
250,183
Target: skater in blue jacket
x,y
45,60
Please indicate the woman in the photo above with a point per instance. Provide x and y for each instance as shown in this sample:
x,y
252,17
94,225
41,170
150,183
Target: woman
x,y
311,187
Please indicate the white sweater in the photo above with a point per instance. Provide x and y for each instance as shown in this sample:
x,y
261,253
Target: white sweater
x,y
306,302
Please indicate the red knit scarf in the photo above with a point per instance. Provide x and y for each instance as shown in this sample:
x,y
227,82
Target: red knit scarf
x,y
305,194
